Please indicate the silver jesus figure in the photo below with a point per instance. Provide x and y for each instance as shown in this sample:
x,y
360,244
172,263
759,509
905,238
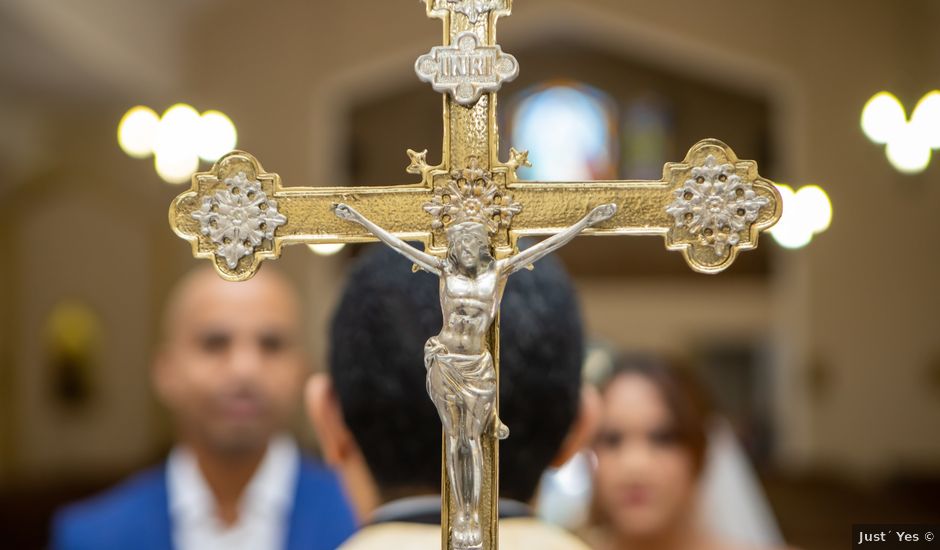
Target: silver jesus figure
x,y
461,377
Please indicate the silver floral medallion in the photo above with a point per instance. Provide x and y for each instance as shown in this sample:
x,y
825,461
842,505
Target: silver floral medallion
x,y
716,205
239,219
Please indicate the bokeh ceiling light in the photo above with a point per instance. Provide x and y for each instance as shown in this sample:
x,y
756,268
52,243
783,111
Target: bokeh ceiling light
x,y
326,249
815,207
907,152
908,142
176,166
137,131
806,213
883,117
926,119
217,135
789,231
178,131
177,140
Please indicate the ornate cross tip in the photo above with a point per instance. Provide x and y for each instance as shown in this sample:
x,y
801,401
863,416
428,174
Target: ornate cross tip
x,y
239,219
230,216
720,205
473,10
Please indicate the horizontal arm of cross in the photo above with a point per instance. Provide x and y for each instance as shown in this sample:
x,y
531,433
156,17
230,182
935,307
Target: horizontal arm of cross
x,y
709,207
238,215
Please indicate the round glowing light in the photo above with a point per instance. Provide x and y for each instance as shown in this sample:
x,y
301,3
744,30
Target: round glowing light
x,y
792,235
908,152
175,148
926,119
326,249
137,131
792,231
814,207
217,135
787,194
176,167
883,118
178,131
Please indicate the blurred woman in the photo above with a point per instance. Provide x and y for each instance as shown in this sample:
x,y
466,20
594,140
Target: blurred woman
x,y
650,451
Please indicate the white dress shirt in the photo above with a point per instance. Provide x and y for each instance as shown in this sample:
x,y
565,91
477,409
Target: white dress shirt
x,y
263,512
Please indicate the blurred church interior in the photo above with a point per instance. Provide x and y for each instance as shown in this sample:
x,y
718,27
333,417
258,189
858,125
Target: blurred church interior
x,y
823,355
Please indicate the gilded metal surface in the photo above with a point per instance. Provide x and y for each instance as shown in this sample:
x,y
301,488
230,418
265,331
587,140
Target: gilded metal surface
x,y
471,142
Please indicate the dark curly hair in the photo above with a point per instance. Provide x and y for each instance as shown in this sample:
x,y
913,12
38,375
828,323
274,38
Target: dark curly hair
x,y
379,328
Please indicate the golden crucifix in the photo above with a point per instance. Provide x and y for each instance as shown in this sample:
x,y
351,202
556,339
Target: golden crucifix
x,y
469,212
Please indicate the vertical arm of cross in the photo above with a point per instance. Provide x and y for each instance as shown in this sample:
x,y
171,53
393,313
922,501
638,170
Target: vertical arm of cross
x,y
469,69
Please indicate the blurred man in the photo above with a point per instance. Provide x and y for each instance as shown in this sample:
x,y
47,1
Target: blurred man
x,y
380,430
229,370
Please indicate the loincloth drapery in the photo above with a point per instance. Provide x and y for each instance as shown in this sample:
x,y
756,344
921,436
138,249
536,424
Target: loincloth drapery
x,y
467,383
465,379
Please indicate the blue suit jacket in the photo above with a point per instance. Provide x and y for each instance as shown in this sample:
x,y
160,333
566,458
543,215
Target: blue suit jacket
x,y
136,516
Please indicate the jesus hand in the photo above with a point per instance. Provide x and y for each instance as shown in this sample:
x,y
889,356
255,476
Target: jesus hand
x,y
345,212
601,214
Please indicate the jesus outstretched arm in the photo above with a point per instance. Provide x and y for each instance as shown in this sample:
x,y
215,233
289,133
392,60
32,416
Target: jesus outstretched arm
x,y
425,261
535,253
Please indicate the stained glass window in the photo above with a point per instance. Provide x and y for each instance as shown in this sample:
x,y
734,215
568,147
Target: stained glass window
x,y
646,139
568,130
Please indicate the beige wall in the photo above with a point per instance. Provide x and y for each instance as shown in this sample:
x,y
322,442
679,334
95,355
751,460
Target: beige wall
x,y
83,229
